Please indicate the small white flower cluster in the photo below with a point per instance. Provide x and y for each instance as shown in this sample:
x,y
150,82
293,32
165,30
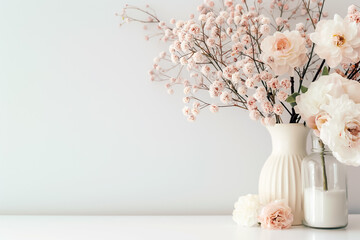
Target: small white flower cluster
x,y
260,107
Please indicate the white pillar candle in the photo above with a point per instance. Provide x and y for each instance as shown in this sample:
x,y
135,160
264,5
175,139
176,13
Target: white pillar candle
x,y
325,209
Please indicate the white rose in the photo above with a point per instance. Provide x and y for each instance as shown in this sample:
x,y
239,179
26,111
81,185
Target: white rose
x,y
337,41
320,119
320,92
284,51
341,132
351,88
247,210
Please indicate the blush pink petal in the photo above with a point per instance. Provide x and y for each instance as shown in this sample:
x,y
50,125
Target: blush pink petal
x,y
276,215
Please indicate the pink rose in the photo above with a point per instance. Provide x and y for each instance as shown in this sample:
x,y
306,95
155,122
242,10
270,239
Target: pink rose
x,y
284,51
276,215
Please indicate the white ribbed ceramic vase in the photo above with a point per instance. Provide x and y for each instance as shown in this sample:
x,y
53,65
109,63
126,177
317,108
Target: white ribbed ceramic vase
x,y
280,177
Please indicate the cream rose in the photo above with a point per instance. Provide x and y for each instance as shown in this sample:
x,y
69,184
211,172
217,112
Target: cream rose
x,y
321,91
351,88
246,210
337,41
341,131
320,119
284,51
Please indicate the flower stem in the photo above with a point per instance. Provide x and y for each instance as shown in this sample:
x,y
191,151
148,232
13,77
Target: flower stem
x,y
322,154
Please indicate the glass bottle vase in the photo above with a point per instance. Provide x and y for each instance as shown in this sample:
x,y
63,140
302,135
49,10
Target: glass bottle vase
x,y
324,182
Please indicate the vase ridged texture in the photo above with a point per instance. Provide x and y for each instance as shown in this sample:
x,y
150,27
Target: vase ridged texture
x,y
280,177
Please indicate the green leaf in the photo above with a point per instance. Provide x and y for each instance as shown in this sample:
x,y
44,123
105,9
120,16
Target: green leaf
x,y
293,104
292,98
303,89
325,71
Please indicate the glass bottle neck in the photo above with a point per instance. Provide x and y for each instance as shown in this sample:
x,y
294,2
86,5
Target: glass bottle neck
x,y
318,145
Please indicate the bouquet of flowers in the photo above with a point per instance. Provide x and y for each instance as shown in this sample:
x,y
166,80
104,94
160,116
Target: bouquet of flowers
x,y
248,56
251,55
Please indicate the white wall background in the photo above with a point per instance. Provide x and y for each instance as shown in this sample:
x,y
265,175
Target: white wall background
x,y
83,131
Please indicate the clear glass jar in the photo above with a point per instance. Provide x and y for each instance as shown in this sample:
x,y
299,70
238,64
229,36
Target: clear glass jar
x,y
324,183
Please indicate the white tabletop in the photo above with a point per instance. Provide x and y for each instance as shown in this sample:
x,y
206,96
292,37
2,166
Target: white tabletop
x,y
157,228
